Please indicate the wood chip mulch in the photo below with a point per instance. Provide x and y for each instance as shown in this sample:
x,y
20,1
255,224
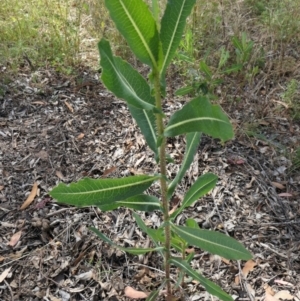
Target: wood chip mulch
x,y
60,129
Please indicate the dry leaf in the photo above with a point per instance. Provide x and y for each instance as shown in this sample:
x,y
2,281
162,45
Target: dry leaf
x,y
278,185
38,103
4,274
134,294
69,107
285,194
60,175
14,239
279,281
30,197
106,172
269,297
249,266
269,290
284,295
1,187
80,136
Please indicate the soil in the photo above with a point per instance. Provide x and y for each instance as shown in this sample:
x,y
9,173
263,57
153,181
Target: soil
x,y
56,128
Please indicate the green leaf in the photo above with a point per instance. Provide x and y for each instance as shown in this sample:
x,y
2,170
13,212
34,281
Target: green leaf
x,y
136,23
205,69
99,192
209,286
123,80
192,142
213,242
172,26
146,122
200,116
190,222
134,251
202,186
142,202
184,90
153,296
233,68
152,234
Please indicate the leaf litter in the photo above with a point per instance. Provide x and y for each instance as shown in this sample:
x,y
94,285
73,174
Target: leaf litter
x,y
53,130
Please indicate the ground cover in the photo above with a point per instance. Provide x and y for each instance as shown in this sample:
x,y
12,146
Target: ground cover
x,y
62,127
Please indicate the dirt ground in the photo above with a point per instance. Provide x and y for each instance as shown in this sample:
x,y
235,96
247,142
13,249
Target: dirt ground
x,y
55,128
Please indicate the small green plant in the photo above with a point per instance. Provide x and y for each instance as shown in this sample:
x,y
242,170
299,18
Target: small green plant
x,y
154,42
204,79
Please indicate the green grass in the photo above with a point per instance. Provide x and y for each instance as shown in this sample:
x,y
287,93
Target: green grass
x,y
65,33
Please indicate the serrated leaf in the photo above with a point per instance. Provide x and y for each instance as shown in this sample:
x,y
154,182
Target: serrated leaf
x,y
200,116
136,23
202,186
213,242
146,122
123,80
134,251
142,202
100,192
209,286
192,142
172,26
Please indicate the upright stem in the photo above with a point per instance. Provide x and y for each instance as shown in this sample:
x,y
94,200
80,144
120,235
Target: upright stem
x,y
163,183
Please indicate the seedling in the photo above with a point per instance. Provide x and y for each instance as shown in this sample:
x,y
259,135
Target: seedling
x,y
154,42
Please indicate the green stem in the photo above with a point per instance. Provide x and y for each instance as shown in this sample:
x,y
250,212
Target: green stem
x,y
163,183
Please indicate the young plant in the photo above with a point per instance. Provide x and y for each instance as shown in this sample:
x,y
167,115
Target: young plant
x,y
154,43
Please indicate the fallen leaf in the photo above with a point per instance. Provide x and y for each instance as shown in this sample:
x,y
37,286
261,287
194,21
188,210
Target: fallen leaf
x,y
106,172
30,197
269,290
285,194
284,295
60,175
279,281
80,136
4,274
249,266
278,185
69,107
269,297
1,187
134,294
14,239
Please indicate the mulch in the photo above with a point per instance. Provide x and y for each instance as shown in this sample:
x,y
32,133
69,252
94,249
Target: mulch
x,y
55,128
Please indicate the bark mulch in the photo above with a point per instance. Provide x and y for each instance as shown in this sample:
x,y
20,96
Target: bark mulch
x,y
55,129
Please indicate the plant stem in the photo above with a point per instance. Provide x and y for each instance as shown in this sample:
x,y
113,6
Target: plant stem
x,y
163,183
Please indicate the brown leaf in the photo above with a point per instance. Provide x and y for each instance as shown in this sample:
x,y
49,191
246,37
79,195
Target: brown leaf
x,y
69,107
1,187
106,172
134,294
285,194
80,136
284,295
278,185
270,298
60,175
15,238
30,197
4,274
249,266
